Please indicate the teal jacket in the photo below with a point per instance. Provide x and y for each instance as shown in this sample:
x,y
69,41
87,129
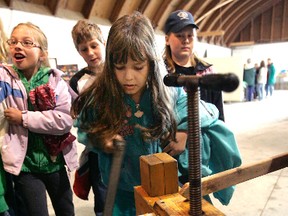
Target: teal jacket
x,y
135,147
249,75
271,74
219,149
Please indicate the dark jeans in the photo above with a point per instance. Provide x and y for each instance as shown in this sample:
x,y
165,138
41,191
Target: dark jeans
x,y
13,199
99,189
32,188
250,92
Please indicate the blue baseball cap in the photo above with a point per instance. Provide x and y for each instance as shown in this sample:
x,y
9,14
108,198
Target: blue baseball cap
x,y
177,20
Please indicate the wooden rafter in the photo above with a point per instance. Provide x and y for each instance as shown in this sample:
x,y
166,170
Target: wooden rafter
x,y
242,43
88,8
234,26
54,5
143,5
160,12
180,5
211,23
116,10
9,3
212,10
188,6
241,20
211,33
261,26
272,23
226,15
285,4
241,11
205,6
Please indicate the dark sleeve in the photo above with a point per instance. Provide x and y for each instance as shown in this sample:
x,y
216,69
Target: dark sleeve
x,y
74,80
214,97
73,83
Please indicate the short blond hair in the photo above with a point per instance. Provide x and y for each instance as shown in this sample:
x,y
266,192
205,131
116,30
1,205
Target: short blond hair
x,y
84,31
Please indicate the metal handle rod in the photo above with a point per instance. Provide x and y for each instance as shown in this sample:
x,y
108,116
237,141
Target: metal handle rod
x,y
114,177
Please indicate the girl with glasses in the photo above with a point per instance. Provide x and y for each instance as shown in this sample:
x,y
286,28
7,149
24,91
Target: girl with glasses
x,y
38,113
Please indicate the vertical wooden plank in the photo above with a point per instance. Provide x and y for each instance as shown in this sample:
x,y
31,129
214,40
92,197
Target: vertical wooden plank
x,y
152,175
170,173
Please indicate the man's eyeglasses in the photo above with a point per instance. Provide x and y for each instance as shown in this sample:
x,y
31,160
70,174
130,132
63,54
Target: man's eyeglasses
x,y
25,43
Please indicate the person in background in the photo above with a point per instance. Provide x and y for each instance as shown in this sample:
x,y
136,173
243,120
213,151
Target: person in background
x,y
130,102
249,79
180,56
38,114
256,95
261,80
90,44
271,79
4,191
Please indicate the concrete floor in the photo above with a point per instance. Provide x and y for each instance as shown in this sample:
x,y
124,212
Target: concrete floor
x,y
261,132
260,128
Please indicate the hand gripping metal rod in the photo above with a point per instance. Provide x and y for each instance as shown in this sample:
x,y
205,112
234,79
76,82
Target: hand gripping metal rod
x,y
114,176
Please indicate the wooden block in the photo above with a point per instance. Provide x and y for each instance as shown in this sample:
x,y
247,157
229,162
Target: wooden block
x,y
143,202
170,172
152,175
159,174
173,204
176,204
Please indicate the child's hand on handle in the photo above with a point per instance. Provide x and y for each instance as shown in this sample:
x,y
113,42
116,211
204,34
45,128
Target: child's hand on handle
x,y
176,148
108,146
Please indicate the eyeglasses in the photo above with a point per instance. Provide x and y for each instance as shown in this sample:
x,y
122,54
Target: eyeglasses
x,y
25,43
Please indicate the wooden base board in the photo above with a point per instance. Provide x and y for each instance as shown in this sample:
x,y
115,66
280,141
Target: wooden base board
x,y
171,204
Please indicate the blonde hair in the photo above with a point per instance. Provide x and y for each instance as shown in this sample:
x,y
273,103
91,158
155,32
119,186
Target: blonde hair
x,y
85,31
4,53
41,39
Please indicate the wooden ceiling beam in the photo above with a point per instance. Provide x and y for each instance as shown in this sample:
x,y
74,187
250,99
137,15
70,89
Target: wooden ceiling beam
x,y
205,6
242,43
143,5
161,10
116,10
212,22
211,33
242,10
88,7
9,3
249,20
284,18
180,5
272,23
234,27
216,7
54,5
261,27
